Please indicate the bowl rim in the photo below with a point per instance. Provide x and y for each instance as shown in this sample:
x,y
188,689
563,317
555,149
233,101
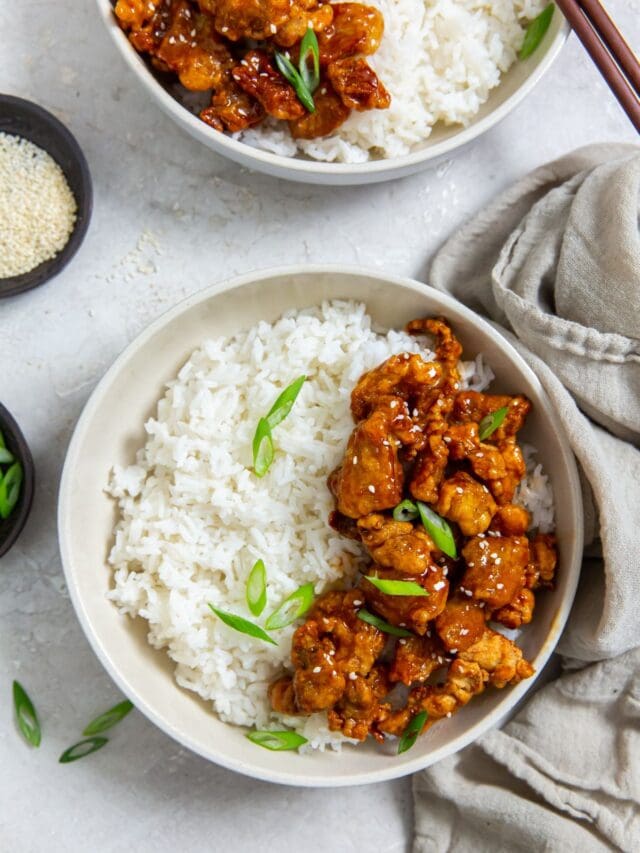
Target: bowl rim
x,y
395,770
295,168
47,270
9,426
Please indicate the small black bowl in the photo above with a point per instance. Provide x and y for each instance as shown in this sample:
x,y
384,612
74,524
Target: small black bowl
x,y
24,118
10,528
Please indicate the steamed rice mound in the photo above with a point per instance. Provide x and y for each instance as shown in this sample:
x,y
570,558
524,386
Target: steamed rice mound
x,y
194,518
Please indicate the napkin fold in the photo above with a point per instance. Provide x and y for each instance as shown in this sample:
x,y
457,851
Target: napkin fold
x,y
554,263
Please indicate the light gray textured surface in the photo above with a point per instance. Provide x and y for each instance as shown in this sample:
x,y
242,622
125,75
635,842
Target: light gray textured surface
x,y
171,217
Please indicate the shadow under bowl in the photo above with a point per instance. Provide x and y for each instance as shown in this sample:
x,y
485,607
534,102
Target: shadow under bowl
x,y
19,117
11,527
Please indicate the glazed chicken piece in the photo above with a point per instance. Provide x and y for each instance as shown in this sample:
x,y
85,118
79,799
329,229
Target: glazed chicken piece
x,y
464,443
355,29
396,544
259,78
518,612
134,14
448,347
540,571
329,114
408,611
510,520
504,488
496,567
360,710
250,19
415,659
357,84
464,681
370,478
429,470
330,648
406,377
461,624
499,658
303,16
232,109
283,696
474,406
467,502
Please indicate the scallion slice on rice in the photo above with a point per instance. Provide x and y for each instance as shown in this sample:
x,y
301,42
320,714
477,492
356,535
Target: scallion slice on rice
x,y
276,741
238,623
257,588
262,448
292,608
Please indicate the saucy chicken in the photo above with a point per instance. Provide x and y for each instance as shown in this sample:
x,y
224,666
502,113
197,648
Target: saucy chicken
x,y
231,49
420,437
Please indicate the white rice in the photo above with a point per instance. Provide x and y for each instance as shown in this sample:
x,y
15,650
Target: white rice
x,y
439,59
194,518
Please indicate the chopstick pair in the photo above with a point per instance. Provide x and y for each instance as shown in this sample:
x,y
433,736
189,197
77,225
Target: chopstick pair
x,y
610,52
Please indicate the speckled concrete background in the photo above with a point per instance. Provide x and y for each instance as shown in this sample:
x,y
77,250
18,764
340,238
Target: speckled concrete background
x,y
171,217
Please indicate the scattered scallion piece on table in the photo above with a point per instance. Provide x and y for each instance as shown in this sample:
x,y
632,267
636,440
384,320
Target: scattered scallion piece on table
x,y
257,588
381,625
82,749
390,587
310,50
490,423
295,77
109,719
263,451
405,511
438,529
277,741
26,716
238,623
292,608
535,32
10,485
262,448
410,734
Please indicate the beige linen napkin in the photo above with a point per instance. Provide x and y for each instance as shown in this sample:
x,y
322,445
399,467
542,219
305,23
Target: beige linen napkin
x,y
554,262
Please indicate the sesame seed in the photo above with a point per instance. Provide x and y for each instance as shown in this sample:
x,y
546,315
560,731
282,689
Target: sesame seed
x,y
448,713
393,404
471,565
439,585
459,490
464,632
355,460
499,586
453,651
372,489
357,602
317,669
468,593
402,642
415,413
428,633
352,676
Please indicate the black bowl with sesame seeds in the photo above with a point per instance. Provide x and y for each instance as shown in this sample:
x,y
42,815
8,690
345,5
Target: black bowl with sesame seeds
x,y
30,122
11,527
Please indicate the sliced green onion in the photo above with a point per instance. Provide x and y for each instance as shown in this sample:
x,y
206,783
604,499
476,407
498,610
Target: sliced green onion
x,y
82,749
405,511
535,32
490,423
283,405
277,741
410,734
257,588
262,448
6,456
292,608
108,719
10,489
26,716
242,625
309,50
292,75
396,587
438,529
379,623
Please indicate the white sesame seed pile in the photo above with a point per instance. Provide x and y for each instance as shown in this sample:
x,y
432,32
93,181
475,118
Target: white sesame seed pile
x,y
37,207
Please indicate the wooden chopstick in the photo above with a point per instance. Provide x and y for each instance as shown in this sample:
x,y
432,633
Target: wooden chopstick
x,y
609,51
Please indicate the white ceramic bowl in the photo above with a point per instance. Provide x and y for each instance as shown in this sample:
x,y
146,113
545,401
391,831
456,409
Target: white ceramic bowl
x,y
515,85
110,430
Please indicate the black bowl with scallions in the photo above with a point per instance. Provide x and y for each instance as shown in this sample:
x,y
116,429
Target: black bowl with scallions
x,y
17,453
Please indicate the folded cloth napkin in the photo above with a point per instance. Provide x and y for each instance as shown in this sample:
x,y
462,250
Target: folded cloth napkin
x,y
554,263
